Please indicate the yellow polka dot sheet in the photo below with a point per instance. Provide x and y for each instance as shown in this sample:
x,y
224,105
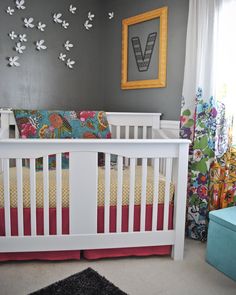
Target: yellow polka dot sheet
x,y
101,188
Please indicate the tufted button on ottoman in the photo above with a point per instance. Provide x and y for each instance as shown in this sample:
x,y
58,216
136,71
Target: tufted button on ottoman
x,y
221,243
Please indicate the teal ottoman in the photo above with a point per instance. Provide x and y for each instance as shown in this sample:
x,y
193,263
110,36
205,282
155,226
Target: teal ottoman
x,y
221,243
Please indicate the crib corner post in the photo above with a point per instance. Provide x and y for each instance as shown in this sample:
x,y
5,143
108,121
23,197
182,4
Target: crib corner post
x,y
180,202
4,130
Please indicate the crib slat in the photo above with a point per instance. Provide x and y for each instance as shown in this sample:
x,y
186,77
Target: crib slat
x,y
131,195
20,213
59,194
118,132
136,137
155,194
7,204
119,194
127,137
135,132
127,132
107,193
143,196
32,197
167,193
46,196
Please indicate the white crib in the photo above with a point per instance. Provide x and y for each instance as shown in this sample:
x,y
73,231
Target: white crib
x,y
140,139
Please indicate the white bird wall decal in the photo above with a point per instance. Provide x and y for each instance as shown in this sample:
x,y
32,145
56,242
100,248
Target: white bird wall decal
x,y
10,10
72,9
88,25
29,22
13,61
40,45
20,4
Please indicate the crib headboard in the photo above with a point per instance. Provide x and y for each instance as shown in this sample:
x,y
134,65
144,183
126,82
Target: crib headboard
x,y
134,125
123,125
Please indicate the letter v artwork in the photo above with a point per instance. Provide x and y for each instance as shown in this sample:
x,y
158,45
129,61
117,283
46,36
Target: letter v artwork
x,y
144,50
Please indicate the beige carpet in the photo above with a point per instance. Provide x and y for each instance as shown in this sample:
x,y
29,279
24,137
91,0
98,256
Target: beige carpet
x,y
149,276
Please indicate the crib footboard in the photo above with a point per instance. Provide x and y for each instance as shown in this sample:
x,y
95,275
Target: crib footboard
x,y
83,191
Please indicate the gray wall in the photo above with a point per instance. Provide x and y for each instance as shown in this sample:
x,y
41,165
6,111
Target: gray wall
x,y
42,81
164,100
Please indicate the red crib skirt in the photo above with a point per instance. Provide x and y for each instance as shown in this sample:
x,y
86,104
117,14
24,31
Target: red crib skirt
x,y
88,254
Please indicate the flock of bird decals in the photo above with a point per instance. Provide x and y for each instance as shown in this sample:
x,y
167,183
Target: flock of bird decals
x,y
40,45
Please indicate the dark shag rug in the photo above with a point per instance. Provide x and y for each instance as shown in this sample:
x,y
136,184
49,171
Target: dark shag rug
x,y
87,282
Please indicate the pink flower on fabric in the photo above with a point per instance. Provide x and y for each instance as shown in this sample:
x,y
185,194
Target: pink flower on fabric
x,y
28,130
108,136
197,155
183,120
86,115
51,128
202,191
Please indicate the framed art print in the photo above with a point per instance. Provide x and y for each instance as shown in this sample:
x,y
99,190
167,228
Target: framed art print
x,y
144,50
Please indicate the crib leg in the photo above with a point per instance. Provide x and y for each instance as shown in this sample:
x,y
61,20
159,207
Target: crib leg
x,y
178,251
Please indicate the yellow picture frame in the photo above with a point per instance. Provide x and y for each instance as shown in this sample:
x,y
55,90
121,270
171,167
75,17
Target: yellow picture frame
x,y
161,13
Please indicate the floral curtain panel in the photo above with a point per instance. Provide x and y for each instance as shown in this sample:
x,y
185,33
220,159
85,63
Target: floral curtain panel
x,y
203,118
223,171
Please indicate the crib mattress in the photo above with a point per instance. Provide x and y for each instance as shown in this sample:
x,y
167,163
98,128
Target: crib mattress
x,y
101,188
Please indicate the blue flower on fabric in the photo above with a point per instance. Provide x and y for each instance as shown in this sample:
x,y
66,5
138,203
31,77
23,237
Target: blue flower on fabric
x,y
211,144
195,183
199,108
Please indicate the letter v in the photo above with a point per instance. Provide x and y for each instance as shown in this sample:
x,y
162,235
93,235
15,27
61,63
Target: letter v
x,y
143,60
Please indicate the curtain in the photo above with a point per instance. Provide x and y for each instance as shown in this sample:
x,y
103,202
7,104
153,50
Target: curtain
x,y
203,117
223,170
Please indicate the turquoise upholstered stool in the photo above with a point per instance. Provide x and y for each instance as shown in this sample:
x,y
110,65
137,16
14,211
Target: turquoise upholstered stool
x,y
221,243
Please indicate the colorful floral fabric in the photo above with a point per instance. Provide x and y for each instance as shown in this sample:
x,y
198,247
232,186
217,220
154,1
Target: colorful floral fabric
x,y
223,181
200,127
211,183
61,124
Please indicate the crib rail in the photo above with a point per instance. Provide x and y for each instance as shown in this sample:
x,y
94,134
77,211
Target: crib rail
x,y
83,185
